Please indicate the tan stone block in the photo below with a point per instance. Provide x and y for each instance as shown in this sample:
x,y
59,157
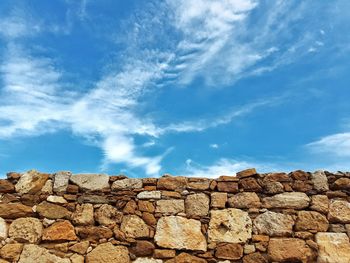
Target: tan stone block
x,y
289,249
180,233
333,247
218,199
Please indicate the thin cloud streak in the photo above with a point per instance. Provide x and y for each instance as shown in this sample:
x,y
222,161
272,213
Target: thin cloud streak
x,y
336,144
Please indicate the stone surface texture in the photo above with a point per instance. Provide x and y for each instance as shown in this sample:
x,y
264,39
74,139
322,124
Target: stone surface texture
x,y
31,182
33,253
26,230
293,200
92,182
249,217
333,247
229,225
180,233
273,224
197,204
3,229
107,252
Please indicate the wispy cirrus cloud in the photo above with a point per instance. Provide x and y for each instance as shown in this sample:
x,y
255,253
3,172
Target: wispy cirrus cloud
x,y
336,144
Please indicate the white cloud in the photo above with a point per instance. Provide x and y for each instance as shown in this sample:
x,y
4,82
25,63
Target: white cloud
x,y
34,102
30,98
18,25
224,167
336,144
214,145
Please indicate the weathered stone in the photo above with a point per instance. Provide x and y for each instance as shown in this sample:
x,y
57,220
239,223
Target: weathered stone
x,y
118,234
342,184
33,253
60,231
218,200
170,206
293,200
142,248
230,187
273,224
8,198
198,184
244,200
146,206
93,233
48,187
277,177
250,184
164,253
246,173
299,175
92,182
52,211
130,207
228,178
134,227
289,250
108,215
171,194
3,229
56,199
302,186
127,183
311,221
229,225
147,260
172,183
229,251
61,180
339,211
347,227
83,215
320,203
180,233
80,247
337,228
76,258
11,251
320,182
197,205
249,248
254,258
13,175
149,218
26,229
271,187
149,195
106,252
92,199
333,247
31,182
72,189
6,186
186,258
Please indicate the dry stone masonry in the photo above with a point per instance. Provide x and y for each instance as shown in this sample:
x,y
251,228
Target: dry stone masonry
x,y
248,218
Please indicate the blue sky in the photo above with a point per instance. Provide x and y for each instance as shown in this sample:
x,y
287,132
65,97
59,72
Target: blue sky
x,y
187,87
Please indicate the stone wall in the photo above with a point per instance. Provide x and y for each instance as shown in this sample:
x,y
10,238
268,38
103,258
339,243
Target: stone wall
x,y
250,218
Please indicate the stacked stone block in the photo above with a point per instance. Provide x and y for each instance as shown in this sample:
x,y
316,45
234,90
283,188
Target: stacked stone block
x,y
249,218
